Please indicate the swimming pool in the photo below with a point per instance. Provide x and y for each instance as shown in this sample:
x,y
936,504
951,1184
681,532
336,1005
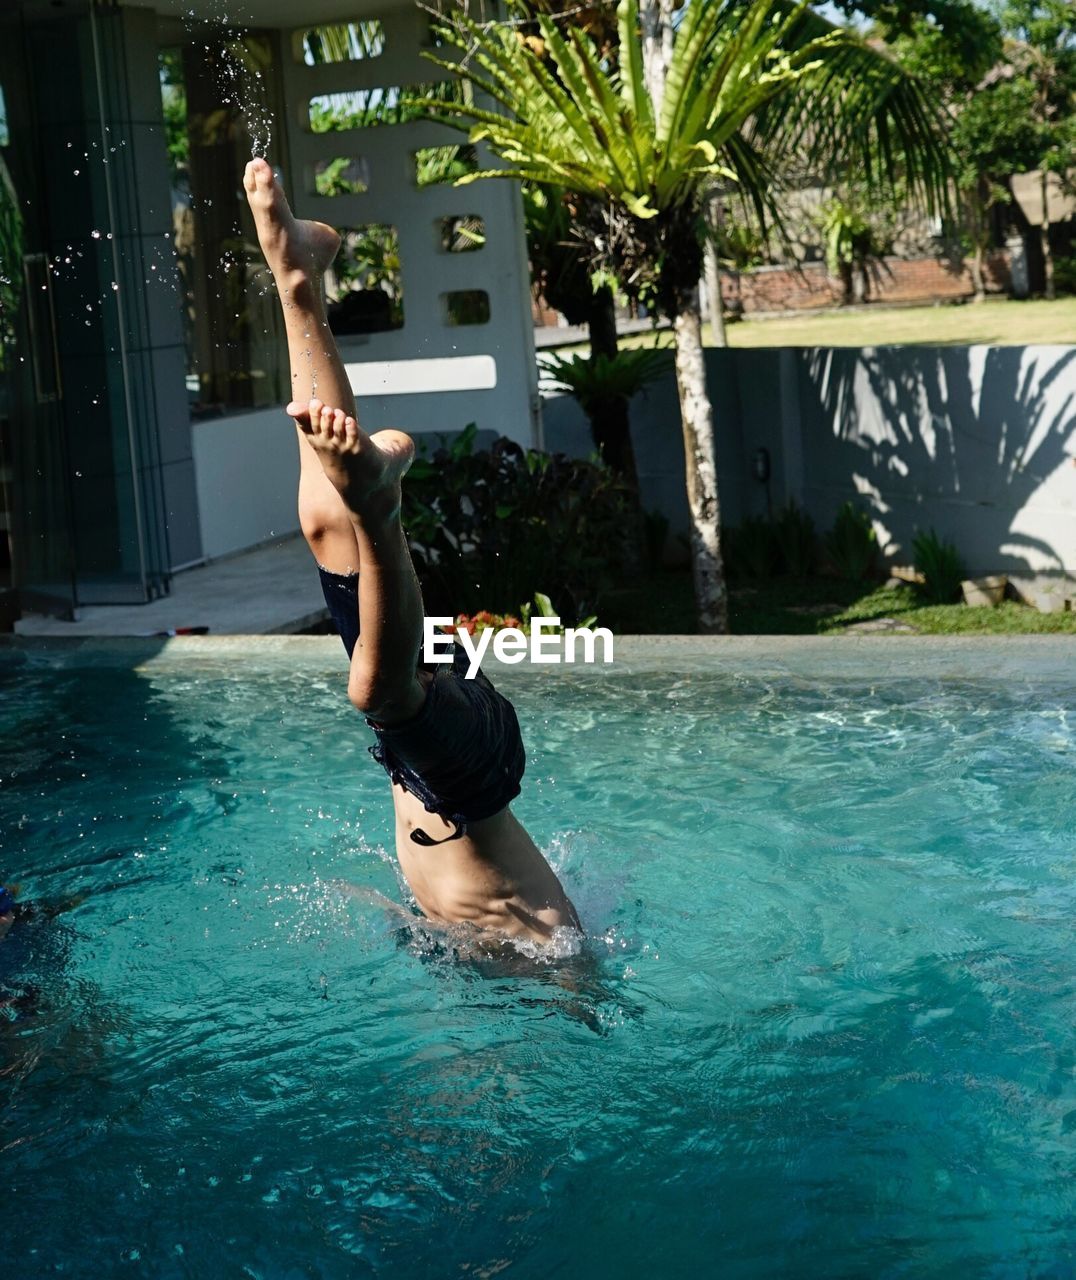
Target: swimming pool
x,y
822,1025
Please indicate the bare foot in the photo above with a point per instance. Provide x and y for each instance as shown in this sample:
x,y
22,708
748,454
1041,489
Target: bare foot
x,y
296,251
366,470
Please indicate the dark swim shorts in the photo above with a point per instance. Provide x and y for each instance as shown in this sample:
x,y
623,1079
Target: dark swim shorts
x,y
462,754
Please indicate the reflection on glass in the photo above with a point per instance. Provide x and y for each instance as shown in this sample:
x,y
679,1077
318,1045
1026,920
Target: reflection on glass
x,y
466,306
341,176
218,109
462,234
364,285
343,42
444,164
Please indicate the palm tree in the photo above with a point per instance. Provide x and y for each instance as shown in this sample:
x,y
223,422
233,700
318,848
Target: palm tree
x,y
731,92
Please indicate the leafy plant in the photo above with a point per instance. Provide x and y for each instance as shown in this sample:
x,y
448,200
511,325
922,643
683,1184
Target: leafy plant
x,y
10,260
797,541
483,620
852,543
595,380
486,524
1065,274
751,549
655,534
939,562
729,90
542,607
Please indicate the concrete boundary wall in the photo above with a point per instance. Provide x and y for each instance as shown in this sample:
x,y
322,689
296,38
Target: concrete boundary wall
x,y
977,442
246,469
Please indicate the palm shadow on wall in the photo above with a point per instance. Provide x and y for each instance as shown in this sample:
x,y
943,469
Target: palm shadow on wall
x,y
955,439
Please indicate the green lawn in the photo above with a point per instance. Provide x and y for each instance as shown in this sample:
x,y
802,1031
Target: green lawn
x,y
1002,322
662,604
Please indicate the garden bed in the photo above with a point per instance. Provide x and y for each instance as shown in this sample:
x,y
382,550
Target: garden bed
x,y
663,604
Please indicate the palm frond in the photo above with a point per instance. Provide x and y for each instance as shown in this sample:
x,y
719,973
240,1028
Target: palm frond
x,y
754,87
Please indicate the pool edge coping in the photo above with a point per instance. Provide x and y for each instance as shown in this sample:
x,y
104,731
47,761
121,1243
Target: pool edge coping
x,y
1017,658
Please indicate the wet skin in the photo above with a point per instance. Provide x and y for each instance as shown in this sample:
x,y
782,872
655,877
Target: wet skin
x,y
494,876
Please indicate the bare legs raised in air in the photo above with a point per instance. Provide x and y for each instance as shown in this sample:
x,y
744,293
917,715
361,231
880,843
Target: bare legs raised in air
x,y
490,873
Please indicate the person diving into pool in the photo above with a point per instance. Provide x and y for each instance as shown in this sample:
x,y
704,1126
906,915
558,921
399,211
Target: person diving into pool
x,y
451,746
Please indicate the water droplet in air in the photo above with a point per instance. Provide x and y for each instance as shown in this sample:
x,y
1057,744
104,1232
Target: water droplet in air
x,y
96,235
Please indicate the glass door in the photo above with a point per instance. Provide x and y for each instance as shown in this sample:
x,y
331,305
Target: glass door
x,y
89,511
33,461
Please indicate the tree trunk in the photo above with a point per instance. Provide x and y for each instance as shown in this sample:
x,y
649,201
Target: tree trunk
x,y
610,425
715,303
977,218
1044,235
601,322
655,19
609,419
696,412
700,461
845,272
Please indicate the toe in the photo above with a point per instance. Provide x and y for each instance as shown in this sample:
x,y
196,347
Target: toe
x,y
351,430
263,175
248,176
296,409
326,420
314,410
339,418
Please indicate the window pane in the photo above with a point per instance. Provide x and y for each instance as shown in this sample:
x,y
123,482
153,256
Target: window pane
x,y
386,104
466,306
462,234
341,176
345,42
444,164
364,283
236,350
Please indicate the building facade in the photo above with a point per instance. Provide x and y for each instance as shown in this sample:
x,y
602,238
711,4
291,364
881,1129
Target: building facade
x,y
144,364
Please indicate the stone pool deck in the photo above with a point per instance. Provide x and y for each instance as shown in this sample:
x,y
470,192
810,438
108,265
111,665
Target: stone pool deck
x,y
271,590
1012,660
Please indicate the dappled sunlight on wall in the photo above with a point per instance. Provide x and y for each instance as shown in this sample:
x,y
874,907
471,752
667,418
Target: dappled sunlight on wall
x,y
977,442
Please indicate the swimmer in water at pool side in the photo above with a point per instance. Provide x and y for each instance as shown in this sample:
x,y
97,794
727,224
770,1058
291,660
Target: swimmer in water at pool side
x,y
451,746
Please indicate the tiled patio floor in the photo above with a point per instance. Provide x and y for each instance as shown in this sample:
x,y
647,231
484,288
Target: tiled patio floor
x,y
272,590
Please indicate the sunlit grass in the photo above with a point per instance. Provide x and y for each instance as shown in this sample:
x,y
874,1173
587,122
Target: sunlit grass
x,y
1002,322
663,604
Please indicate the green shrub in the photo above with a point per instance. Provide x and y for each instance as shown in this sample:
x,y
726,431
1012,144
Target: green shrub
x,y
594,379
852,544
487,526
797,541
655,533
939,563
1065,274
751,549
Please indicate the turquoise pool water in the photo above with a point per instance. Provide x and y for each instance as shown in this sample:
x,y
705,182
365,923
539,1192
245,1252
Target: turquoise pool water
x,y
822,1025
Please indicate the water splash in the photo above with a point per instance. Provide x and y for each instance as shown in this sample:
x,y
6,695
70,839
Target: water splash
x,y
223,33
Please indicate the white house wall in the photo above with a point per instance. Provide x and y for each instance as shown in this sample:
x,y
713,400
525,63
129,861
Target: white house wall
x,y
509,405
426,377
978,443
